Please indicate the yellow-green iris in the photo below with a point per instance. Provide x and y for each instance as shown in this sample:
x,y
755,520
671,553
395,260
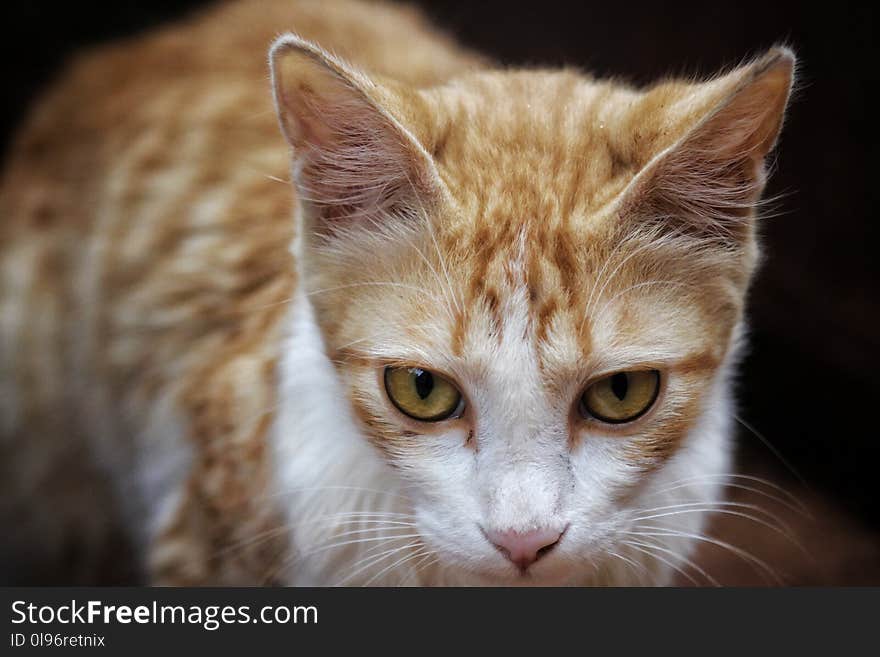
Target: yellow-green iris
x,y
621,397
421,394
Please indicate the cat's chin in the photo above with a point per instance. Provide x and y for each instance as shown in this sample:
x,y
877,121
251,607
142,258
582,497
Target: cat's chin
x,y
536,580
524,580
540,575
598,569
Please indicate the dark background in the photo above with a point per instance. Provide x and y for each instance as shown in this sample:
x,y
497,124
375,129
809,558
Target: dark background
x,y
810,385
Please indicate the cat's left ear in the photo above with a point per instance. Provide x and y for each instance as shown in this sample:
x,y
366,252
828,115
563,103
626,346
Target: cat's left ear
x,y
709,179
354,160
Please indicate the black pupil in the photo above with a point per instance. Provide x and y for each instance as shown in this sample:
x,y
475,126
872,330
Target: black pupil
x,y
620,385
424,383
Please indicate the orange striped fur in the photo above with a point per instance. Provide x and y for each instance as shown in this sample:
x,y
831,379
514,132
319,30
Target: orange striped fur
x,y
441,209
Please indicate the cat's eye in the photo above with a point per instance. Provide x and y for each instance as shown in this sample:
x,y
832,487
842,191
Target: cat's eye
x,y
621,397
421,394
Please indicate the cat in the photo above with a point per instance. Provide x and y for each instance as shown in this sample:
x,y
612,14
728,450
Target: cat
x,y
451,324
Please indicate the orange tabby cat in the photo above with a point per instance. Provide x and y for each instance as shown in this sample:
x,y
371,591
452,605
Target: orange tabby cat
x,y
487,339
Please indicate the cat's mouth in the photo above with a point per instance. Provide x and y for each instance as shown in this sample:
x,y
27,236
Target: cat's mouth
x,y
546,575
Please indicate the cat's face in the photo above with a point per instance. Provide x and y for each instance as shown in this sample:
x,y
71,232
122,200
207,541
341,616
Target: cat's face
x,y
529,285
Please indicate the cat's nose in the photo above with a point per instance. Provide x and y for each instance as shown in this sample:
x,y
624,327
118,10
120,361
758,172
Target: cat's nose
x,y
525,548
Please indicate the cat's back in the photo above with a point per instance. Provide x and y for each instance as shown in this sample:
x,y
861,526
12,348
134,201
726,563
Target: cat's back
x,y
145,225
204,78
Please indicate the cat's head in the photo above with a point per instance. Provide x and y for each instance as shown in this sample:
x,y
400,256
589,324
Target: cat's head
x,y
530,283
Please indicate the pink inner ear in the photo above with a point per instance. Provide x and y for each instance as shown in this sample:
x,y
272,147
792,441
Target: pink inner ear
x,y
748,123
710,183
307,90
353,166
706,188
353,161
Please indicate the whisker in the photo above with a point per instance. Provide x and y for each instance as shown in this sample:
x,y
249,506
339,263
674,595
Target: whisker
x,y
358,541
714,506
433,235
663,560
359,489
632,563
598,277
368,530
251,541
397,563
743,554
639,249
420,565
780,531
792,503
684,559
373,560
773,450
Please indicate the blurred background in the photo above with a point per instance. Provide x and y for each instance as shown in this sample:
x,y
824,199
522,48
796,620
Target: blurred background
x,y
811,379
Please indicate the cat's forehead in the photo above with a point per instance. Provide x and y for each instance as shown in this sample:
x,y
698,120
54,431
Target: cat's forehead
x,y
535,162
528,253
554,300
544,143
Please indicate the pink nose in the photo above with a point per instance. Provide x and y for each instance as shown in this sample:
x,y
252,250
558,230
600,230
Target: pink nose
x,y
524,549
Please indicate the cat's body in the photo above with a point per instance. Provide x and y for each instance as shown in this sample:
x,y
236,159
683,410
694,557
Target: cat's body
x,y
217,387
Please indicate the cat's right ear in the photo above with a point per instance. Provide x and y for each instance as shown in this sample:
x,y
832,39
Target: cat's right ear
x,y
707,182
354,160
